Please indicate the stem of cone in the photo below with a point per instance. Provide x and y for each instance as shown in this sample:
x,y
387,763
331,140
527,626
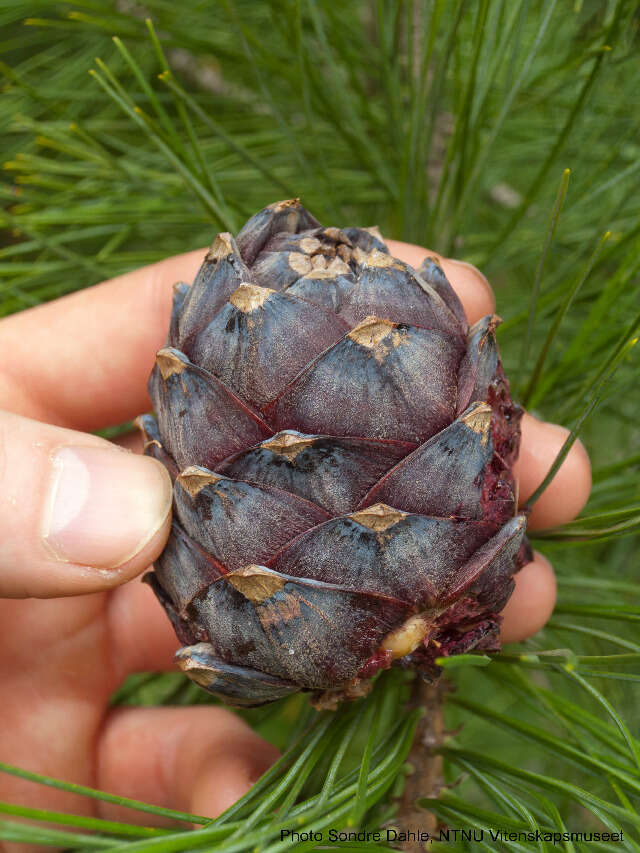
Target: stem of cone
x,y
425,777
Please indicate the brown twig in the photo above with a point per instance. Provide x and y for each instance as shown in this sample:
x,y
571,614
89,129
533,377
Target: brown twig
x,y
425,778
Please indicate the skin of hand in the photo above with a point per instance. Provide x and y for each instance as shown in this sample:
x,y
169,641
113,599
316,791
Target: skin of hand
x,y
80,519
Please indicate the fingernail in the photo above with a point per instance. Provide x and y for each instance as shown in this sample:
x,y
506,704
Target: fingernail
x,y
103,505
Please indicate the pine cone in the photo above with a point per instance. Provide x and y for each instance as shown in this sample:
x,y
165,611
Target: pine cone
x,y
342,445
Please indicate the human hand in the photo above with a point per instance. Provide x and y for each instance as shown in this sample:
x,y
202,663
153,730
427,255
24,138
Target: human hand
x,y
81,363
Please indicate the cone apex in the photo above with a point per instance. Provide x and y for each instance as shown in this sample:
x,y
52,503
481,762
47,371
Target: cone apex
x,y
277,206
378,517
374,258
221,247
494,322
310,245
334,268
288,444
256,583
169,362
371,331
194,479
247,297
191,660
299,262
478,418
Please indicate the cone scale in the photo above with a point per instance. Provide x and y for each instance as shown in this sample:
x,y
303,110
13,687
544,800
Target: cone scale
x,y
341,445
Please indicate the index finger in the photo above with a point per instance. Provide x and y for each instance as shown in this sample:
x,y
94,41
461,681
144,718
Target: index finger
x,y
95,348
83,361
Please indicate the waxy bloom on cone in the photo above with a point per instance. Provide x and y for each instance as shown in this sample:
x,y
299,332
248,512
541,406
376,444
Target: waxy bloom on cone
x,y
342,445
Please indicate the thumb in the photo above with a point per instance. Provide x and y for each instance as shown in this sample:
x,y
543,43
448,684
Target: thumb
x,y
77,513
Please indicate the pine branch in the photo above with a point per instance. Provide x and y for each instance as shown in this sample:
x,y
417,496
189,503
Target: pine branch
x,y
424,773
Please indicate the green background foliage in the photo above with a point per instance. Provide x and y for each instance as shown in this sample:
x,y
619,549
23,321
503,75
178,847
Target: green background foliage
x,y
132,131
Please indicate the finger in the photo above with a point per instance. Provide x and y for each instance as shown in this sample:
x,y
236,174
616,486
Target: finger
x,y
53,736
198,760
54,685
134,650
77,514
131,441
102,339
569,490
532,601
473,289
